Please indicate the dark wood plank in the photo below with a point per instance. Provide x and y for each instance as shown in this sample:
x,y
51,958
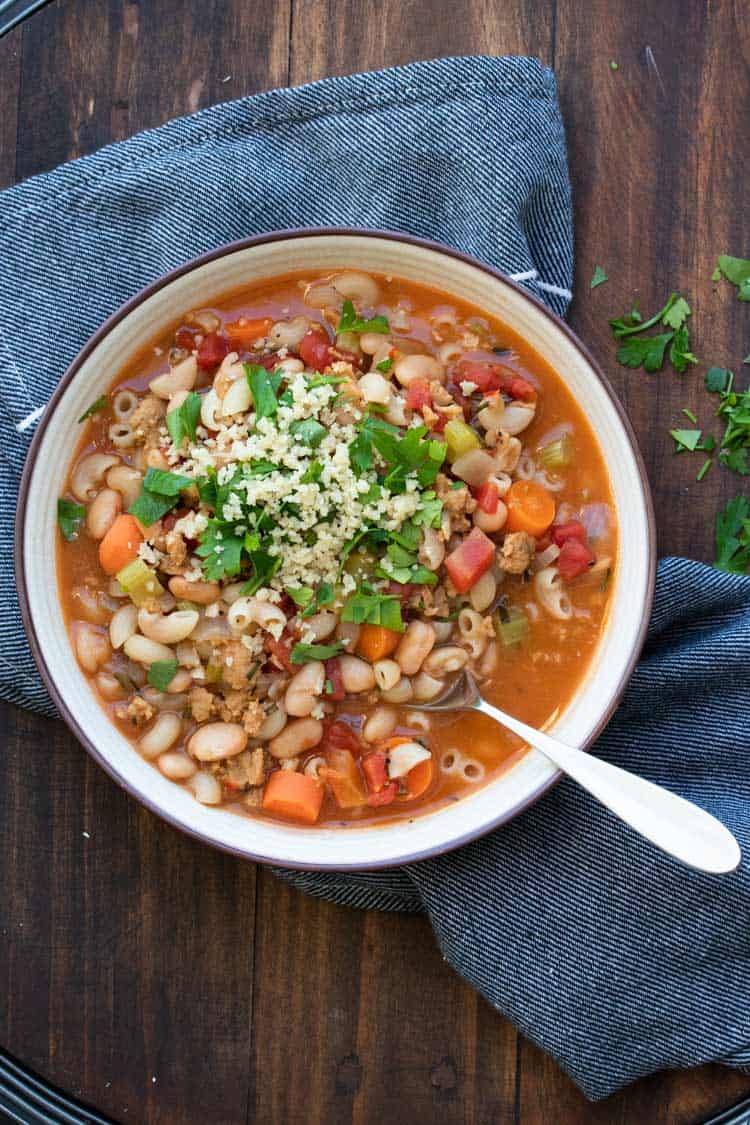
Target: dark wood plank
x,y
10,70
343,36
657,196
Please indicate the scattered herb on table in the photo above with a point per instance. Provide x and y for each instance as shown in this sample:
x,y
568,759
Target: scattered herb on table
x,y
599,277
733,536
735,270
734,408
692,440
649,352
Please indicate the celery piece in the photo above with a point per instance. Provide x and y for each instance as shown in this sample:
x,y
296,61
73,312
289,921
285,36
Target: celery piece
x,y
558,454
214,673
460,439
139,582
513,629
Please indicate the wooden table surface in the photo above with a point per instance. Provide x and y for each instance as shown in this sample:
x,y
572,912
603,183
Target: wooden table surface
x,y
161,981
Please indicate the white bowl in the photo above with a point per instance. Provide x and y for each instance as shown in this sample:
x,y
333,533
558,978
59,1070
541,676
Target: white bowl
x,y
199,283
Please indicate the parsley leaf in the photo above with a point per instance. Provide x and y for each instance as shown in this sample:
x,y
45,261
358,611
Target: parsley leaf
x,y
692,440
350,322
733,536
301,596
165,482
385,365
161,673
309,431
70,516
302,654
96,406
374,609
361,456
675,314
430,510
644,351
160,492
263,387
598,278
312,473
718,380
182,421
736,270
264,567
221,550
679,354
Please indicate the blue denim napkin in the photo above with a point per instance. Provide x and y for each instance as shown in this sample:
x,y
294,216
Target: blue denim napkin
x,y
615,959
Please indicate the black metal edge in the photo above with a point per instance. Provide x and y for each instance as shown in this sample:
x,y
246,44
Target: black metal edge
x,y
12,12
29,1100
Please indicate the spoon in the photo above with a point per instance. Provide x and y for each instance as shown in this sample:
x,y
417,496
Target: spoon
x,y
677,826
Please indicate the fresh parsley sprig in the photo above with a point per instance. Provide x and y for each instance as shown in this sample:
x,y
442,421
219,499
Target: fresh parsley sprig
x,y
736,270
350,322
733,537
649,351
734,408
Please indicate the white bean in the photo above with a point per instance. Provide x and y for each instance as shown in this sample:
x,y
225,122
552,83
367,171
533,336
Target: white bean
x,y
206,788
176,766
145,651
168,629
379,725
375,388
126,481
296,737
91,645
215,741
356,675
415,645
273,724
321,625
109,687
238,398
517,416
411,367
373,342
211,410
490,522
289,333
161,735
123,624
202,593
304,688
180,682
358,287
482,593
387,674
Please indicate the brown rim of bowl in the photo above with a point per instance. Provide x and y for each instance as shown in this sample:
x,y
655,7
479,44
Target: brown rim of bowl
x,y
124,311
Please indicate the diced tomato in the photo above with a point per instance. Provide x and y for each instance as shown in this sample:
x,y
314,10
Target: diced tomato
x,y
440,423
574,559
494,377
281,650
343,776
487,496
333,673
418,394
314,349
213,348
340,736
375,771
521,389
562,532
184,337
470,560
268,360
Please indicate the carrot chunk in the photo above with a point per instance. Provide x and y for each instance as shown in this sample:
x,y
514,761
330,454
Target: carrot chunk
x,y
375,642
531,508
293,795
242,333
120,545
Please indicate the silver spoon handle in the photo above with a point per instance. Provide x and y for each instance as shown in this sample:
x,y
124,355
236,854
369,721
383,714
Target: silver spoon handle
x,y
672,823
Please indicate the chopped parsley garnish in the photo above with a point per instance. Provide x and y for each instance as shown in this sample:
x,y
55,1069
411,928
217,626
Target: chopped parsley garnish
x,y
734,408
733,536
374,609
263,387
302,596
690,416
160,493
183,421
385,365
309,431
264,566
161,673
325,381
95,407
649,351
691,440
220,549
736,270
303,654
312,473
404,455
704,469
350,322
430,510
598,278
70,516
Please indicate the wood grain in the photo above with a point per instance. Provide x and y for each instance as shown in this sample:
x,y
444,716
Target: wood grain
x,y
128,953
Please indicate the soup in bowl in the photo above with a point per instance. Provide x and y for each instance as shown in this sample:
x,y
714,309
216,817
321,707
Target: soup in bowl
x,y
301,501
